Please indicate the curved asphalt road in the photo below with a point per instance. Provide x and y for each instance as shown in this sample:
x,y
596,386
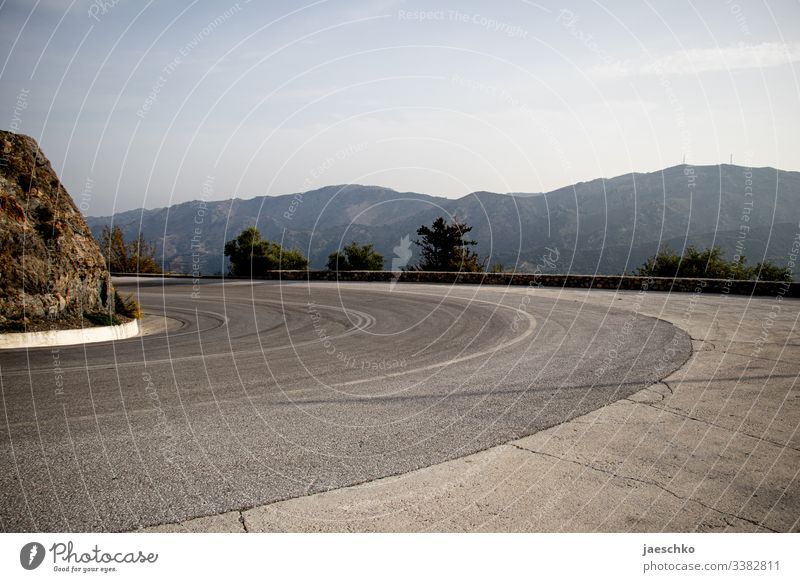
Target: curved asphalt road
x,y
261,392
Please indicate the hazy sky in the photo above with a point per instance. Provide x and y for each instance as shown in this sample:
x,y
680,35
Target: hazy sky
x,y
142,104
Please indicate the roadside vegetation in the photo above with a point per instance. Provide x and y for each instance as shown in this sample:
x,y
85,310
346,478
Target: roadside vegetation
x,y
127,306
122,307
356,257
444,247
136,256
103,319
250,255
709,263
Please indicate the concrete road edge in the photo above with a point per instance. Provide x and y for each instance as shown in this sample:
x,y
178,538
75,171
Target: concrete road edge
x,y
69,337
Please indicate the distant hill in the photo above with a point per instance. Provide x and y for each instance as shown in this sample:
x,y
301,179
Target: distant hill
x,y
602,226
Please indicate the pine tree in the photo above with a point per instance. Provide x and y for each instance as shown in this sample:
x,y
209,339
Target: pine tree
x,y
444,247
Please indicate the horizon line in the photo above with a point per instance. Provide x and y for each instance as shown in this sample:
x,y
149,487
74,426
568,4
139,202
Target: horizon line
x,y
518,193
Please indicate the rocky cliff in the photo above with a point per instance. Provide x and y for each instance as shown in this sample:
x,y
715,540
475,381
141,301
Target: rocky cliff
x,y
51,269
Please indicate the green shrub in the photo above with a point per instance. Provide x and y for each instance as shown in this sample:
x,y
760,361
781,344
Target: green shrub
x,y
127,306
356,257
766,271
251,255
709,264
16,325
102,318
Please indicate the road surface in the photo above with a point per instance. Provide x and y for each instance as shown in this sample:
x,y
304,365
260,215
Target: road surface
x,y
251,393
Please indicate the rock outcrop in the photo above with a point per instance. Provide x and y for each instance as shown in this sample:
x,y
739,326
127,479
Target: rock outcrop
x,y
51,268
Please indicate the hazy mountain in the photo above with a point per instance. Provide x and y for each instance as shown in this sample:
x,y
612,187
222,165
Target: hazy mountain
x,y
605,225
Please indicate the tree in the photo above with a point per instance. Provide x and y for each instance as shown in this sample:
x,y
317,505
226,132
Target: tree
x,y
444,247
709,263
142,256
112,245
136,257
252,255
767,271
355,257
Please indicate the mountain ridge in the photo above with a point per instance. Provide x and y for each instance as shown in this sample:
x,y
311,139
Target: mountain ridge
x,y
605,225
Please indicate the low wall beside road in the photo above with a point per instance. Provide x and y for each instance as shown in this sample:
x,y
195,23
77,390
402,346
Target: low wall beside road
x,y
726,286
622,282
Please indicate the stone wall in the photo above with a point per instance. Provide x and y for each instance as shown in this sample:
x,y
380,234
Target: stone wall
x,y
628,283
50,266
725,286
